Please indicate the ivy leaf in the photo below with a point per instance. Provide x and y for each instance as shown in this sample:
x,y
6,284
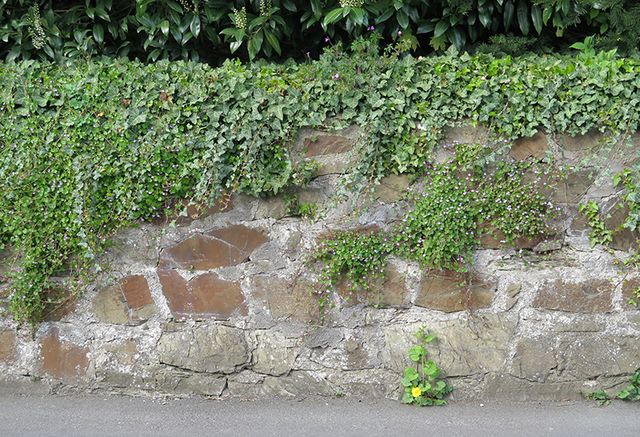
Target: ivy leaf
x,y
195,26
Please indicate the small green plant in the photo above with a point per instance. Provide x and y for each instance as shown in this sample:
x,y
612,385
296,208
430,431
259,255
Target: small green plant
x,y
599,234
635,297
295,208
632,391
600,396
422,385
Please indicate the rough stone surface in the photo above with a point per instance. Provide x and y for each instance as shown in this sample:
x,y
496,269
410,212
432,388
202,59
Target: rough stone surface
x,y
392,188
205,296
534,147
590,296
127,302
450,291
574,186
629,289
211,349
7,345
287,299
62,359
191,383
275,354
218,248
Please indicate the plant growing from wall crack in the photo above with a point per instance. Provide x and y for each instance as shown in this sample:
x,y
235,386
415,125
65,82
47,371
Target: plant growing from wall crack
x,y
422,384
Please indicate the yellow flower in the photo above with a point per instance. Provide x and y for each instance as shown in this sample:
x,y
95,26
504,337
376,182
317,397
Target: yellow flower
x,y
416,391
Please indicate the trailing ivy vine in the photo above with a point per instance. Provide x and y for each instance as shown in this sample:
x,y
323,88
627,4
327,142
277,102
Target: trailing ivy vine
x,y
444,226
92,146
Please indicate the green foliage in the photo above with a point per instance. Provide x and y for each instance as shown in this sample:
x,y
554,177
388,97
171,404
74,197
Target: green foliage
x,y
630,393
629,180
295,208
441,231
601,397
213,30
422,385
599,234
91,146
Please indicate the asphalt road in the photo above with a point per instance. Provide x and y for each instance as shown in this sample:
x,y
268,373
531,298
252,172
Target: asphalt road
x,y
91,415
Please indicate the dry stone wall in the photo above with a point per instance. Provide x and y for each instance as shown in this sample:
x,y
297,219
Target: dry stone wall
x,y
224,304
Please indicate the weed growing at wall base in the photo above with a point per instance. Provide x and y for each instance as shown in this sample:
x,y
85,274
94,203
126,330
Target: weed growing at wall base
x,y
422,384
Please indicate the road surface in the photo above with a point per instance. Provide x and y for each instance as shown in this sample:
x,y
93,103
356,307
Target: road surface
x,y
93,415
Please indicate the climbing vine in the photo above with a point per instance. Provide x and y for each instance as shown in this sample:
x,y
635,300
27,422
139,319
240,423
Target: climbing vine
x,y
89,147
460,200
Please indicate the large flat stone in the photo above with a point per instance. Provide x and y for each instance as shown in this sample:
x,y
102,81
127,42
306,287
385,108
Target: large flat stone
x,y
629,289
590,296
591,355
452,291
211,349
475,346
298,384
392,188
492,238
218,248
533,147
202,384
535,358
62,359
623,238
571,188
127,302
206,296
287,299
390,291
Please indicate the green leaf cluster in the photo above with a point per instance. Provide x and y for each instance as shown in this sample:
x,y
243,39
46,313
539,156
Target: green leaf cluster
x,y
630,393
599,233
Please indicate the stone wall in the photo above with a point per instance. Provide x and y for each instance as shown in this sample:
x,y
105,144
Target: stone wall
x,y
223,304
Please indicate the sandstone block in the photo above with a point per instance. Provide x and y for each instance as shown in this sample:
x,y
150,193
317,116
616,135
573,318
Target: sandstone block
x,y
287,299
127,302
533,147
218,248
62,359
204,297
450,291
590,296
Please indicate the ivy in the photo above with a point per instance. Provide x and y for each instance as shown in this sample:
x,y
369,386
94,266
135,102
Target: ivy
x,y
89,147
